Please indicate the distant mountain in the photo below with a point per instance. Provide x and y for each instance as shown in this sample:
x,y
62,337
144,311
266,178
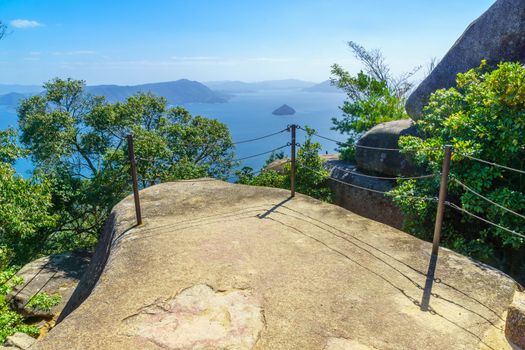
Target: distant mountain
x,y
244,87
176,92
325,86
12,99
21,89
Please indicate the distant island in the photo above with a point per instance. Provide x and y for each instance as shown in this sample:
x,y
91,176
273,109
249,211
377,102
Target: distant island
x,y
284,110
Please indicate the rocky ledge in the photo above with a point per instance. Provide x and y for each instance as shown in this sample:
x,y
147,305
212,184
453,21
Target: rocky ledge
x,y
217,265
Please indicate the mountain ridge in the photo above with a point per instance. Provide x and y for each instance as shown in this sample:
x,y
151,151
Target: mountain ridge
x,y
176,92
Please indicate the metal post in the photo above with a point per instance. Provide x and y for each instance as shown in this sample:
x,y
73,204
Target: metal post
x,y
292,175
442,196
131,155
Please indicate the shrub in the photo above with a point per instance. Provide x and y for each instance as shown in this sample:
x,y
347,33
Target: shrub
x,y
43,301
484,117
11,321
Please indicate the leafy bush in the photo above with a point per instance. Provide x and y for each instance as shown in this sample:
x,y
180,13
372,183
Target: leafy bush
x,y
11,321
43,301
484,117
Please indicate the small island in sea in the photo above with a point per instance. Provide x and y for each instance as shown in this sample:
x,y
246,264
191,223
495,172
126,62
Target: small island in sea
x,y
284,110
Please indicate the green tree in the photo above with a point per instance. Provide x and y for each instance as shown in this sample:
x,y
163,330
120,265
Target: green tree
x,y
25,208
374,96
484,117
78,142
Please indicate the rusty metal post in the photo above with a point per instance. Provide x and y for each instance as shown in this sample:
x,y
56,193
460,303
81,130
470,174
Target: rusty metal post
x,y
131,155
442,196
293,169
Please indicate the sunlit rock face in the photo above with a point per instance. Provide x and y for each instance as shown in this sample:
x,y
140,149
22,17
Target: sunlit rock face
x,y
222,266
498,35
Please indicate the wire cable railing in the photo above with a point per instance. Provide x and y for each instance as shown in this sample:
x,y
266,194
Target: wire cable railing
x,y
260,154
386,177
454,206
357,145
360,187
492,163
441,201
261,137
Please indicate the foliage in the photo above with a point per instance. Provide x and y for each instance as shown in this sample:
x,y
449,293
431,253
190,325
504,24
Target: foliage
x,y
310,174
78,142
25,208
43,301
374,96
11,321
484,117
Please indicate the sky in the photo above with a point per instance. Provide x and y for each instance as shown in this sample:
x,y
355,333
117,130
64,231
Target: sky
x,y
132,42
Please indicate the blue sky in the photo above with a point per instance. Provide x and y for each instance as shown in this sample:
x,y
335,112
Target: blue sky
x,y
130,42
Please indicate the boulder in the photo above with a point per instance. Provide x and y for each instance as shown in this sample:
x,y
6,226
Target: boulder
x,y
515,326
223,266
56,274
19,341
385,162
356,198
498,35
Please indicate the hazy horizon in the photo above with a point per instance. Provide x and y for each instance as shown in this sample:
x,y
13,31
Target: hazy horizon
x,y
128,43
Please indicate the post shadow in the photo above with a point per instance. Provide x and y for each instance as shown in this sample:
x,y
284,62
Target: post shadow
x,y
274,208
427,292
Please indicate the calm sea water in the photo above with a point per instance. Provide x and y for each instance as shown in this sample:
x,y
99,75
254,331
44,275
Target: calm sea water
x,y
249,116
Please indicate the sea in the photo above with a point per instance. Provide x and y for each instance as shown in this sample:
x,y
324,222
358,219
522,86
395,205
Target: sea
x,y
248,116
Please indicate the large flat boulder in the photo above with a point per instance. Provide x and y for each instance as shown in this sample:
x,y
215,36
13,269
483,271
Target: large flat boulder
x,y
223,266
498,35
378,152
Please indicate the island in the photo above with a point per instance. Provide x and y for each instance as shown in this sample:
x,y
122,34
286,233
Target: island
x,y
284,110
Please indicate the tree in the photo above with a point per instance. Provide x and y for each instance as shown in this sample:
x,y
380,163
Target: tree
x,y
374,95
78,142
483,116
25,208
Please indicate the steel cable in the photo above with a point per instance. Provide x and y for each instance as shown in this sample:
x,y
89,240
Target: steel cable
x,y
260,138
387,178
260,154
487,199
493,164
361,146
364,188
454,206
